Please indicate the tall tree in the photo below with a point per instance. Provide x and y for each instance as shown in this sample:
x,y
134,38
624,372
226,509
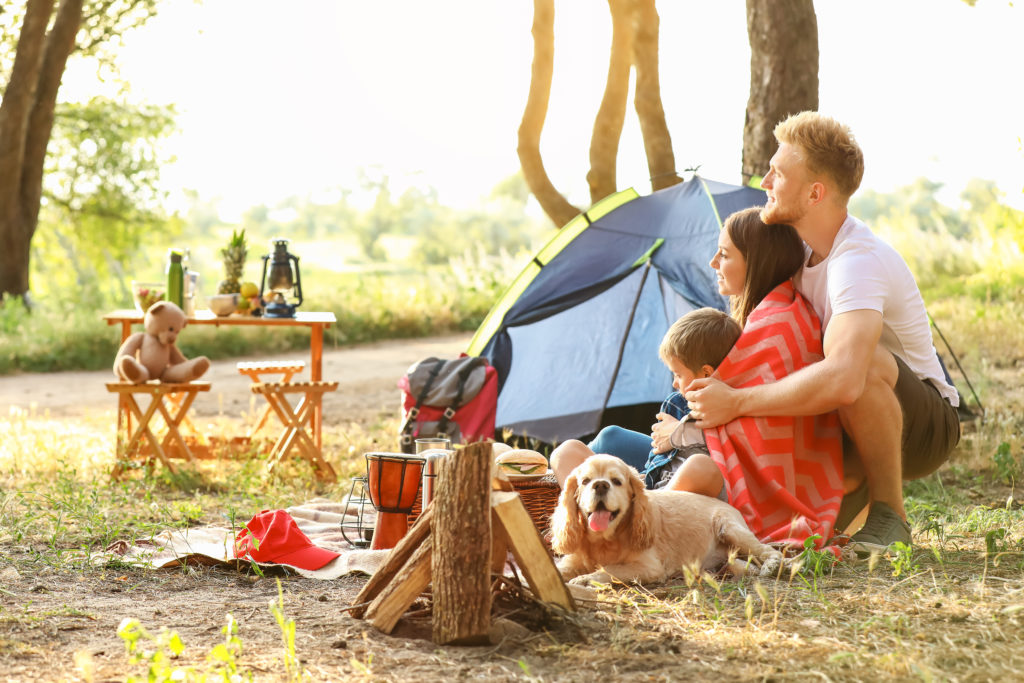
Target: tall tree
x,y
783,74
46,39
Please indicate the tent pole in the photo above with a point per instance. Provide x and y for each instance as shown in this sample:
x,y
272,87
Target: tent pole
x,y
622,345
959,367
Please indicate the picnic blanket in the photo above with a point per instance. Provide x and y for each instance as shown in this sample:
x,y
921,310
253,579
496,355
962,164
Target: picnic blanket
x,y
784,474
319,519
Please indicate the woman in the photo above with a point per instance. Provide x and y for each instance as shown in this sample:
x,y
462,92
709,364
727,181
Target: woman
x,y
776,254
783,474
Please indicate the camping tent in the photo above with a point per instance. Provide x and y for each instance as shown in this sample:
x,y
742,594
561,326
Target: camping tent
x,y
575,336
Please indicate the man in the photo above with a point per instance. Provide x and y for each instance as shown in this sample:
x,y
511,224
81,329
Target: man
x,y
880,369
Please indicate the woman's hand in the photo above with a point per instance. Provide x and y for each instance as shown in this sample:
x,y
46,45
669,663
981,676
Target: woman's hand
x,y
712,402
661,432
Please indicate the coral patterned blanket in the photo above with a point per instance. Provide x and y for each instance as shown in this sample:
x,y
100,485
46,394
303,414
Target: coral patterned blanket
x,y
784,474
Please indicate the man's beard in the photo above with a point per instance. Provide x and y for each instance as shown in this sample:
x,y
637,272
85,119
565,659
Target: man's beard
x,y
775,214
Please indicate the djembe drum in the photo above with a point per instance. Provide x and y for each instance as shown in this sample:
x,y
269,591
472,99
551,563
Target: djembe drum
x,y
393,480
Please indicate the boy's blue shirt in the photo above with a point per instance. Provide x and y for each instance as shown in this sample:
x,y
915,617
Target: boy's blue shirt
x,y
676,406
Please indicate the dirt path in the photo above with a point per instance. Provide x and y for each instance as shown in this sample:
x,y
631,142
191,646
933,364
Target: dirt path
x,y
367,374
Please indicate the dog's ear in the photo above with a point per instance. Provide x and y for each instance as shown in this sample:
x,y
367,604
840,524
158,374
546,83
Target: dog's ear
x,y
567,523
640,531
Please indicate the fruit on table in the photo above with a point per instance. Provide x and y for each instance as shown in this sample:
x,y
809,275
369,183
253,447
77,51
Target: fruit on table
x,y
233,256
249,290
147,297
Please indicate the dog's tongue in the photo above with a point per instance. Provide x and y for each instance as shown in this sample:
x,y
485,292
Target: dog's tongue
x,y
599,520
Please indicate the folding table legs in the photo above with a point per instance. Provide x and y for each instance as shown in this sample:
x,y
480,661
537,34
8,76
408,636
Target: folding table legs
x,y
160,399
296,421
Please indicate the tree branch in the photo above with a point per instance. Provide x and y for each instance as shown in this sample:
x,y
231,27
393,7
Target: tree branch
x,y
558,209
59,44
17,102
604,142
661,162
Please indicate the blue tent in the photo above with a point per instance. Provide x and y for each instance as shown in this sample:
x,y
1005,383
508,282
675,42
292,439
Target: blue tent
x,y
575,337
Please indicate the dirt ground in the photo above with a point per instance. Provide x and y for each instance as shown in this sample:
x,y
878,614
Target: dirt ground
x,y
61,625
57,625
367,377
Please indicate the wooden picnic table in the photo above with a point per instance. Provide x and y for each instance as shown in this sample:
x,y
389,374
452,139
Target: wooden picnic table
x,y
316,321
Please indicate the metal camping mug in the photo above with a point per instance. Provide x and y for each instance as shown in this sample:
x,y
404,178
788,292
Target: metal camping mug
x,y
432,450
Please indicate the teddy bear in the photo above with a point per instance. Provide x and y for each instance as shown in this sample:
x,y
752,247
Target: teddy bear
x,y
153,355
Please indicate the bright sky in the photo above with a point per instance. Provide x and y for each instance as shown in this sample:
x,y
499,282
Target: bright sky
x,y
281,99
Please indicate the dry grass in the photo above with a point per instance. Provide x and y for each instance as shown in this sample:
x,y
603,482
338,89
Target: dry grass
x,y
950,610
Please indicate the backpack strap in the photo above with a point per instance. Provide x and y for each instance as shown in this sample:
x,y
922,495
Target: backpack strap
x,y
410,420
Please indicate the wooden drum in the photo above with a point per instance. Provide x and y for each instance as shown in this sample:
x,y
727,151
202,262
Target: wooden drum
x,y
392,480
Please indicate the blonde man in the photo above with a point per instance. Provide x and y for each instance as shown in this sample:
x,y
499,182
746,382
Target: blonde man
x,y
880,370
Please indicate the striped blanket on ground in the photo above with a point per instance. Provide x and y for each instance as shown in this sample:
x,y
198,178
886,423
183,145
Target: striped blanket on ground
x,y
784,474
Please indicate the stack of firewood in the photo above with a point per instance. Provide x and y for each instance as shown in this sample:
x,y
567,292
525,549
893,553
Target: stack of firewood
x,y
455,546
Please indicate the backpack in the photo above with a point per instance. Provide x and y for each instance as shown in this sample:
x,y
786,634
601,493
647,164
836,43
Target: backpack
x,y
453,398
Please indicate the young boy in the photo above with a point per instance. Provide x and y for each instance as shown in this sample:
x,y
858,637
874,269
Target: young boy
x,y
693,347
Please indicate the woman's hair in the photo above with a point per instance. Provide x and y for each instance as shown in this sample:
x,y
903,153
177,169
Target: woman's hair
x,y
774,254
828,148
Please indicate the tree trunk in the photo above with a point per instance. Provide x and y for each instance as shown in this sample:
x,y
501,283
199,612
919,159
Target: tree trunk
x,y
783,74
461,548
604,142
558,209
661,162
26,119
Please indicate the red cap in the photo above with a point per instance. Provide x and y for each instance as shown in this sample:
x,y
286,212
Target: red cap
x,y
273,536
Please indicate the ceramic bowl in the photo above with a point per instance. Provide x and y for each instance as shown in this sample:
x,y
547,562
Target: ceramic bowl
x,y
223,304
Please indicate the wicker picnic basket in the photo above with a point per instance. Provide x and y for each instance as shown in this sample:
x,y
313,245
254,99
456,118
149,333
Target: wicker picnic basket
x,y
539,496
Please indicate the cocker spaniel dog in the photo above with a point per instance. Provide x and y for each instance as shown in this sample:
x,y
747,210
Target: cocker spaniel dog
x,y
608,525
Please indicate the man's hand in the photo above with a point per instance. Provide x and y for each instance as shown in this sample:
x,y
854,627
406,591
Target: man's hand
x,y
712,402
661,433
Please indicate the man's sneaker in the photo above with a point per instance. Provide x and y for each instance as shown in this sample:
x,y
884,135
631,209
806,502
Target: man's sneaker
x,y
853,503
882,528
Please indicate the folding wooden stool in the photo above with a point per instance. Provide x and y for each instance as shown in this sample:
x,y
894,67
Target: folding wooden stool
x,y
256,371
296,420
171,401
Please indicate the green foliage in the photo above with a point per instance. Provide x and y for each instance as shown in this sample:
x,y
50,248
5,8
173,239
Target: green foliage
x,y
1007,467
63,335
413,228
901,558
291,661
103,23
158,653
976,250
102,200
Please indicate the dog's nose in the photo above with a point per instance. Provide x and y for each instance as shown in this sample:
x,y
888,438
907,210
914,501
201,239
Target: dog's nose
x,y
601,487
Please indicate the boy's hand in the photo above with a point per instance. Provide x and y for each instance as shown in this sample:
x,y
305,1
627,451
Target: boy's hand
x,y
661,432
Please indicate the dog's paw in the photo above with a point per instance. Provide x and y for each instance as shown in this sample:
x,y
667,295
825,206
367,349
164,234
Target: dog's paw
x,y
772,566
593,577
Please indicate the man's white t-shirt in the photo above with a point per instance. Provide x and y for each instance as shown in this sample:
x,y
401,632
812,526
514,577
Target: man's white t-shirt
x,y
863,272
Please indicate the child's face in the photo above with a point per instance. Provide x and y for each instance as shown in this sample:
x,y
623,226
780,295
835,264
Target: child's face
x,y
682,375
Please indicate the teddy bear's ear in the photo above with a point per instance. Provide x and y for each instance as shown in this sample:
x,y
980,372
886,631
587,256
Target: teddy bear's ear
x,y
157,307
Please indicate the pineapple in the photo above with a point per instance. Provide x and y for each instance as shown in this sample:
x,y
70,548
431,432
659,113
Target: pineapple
x,y
234,262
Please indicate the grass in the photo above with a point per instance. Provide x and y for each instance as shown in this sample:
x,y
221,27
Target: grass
x,y
950,608
63,334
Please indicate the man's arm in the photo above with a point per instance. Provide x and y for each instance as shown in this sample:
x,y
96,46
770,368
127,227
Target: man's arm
x,y
837,380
